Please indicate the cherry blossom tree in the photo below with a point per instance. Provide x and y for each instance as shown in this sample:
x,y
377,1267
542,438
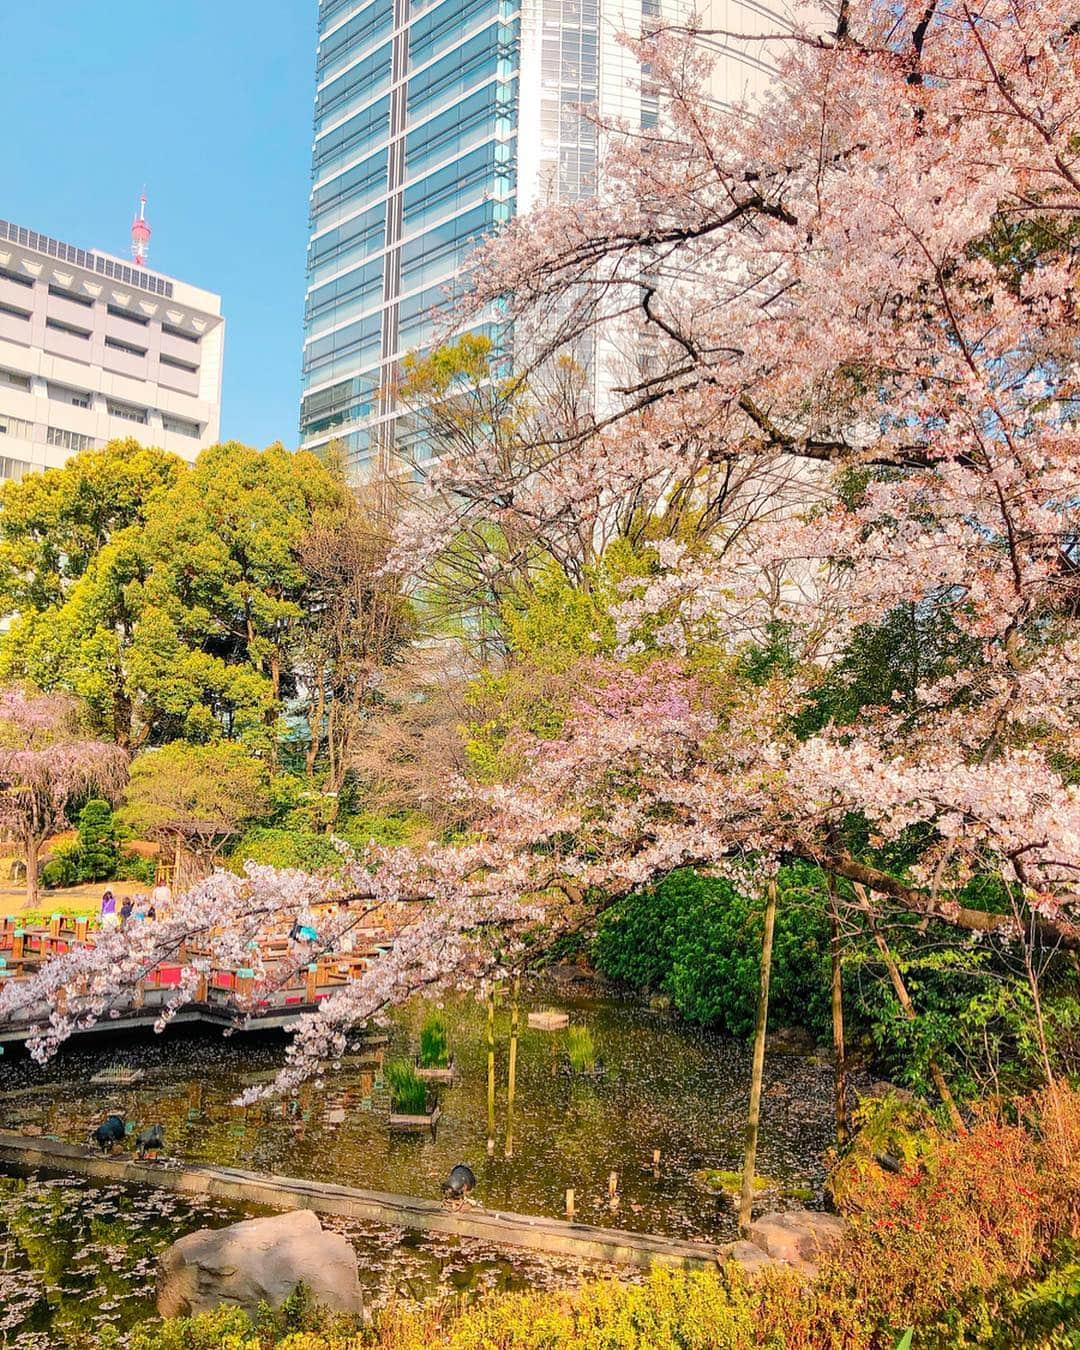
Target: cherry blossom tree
x,y
859,294
865,286
45,764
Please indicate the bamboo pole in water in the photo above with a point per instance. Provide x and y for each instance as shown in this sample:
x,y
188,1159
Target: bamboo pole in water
x,y
838,1018
746,1199
491,1069
511,1080
909,1008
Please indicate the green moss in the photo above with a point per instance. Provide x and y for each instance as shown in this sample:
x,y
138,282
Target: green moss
x,y
718,1182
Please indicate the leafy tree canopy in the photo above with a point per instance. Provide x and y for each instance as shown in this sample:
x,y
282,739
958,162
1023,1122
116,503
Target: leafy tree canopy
x,y
165,596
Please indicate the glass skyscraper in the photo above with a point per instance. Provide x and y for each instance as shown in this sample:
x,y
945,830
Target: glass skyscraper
x,y
434,121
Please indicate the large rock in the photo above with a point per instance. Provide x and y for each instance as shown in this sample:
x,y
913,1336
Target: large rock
x,y
258,1261
747,1256
801,1237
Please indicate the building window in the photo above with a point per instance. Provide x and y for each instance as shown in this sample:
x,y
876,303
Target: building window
x,y
14,380
129,347
179,365
119,313
17,427
127,412
61,294
179,333
13,468
17,278
78,398
15,313
180,425
69,328
69,440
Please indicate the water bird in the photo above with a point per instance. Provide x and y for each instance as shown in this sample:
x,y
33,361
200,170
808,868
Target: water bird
x,y
458,1184
150,1140
110,1132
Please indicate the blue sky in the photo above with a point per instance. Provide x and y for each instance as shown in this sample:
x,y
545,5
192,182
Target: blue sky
x,y
207,102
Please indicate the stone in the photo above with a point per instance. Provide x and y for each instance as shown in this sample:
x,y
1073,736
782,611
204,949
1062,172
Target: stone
x,y
747,1256
789,1041
801,1237
259,1261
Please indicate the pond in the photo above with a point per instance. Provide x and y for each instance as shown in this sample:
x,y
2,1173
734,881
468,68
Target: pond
x,y
77,1259
663,1086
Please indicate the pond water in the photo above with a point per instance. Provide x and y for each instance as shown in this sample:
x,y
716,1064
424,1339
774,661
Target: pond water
x,y
77,1260
663,1086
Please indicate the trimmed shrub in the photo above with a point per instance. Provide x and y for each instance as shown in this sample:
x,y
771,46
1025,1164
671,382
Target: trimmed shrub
x,y
99,848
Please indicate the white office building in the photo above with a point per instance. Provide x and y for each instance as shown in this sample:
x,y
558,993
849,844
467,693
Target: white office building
x,y
93,349
436,121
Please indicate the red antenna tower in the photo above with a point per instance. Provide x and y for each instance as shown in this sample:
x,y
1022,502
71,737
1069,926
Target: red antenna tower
x,y
140,234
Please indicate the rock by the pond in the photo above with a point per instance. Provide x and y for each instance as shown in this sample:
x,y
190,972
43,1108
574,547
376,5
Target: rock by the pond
x,y
789,1041
258,1261
569,973
801,1237
747,1255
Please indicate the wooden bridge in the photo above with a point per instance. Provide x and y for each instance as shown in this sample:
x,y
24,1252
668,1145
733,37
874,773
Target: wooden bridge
x,y
536,1232
223,997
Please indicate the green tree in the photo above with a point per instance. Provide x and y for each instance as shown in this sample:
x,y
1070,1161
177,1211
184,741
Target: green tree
x,y
226,544
196,798
698,939
53,524
181,614
98,845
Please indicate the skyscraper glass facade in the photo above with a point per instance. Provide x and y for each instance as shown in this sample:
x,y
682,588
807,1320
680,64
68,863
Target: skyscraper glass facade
x,y
413,162
434,121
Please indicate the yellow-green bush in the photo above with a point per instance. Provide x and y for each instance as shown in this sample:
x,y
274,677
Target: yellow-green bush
x,y
976,1242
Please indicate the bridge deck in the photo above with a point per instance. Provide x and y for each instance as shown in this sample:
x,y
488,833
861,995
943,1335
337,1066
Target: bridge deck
x,y
224,998
557,1236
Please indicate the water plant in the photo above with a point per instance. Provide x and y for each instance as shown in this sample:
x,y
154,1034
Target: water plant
x,y
581,1049
434,1043
408,1094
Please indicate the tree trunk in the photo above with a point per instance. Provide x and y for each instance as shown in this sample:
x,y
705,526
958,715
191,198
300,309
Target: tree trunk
x,y
904,997
121,714
746,1200
32,891
838,1019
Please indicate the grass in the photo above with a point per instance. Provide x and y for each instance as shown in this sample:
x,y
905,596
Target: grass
x,y
581,1049
434,1043
408,1094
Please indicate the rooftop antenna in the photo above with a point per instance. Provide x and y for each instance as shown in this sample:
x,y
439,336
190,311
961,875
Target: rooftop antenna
x,y
140,234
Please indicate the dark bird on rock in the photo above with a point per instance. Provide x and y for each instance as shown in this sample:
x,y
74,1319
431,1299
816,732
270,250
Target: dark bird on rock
x,y
458,1184
149,1141
110,1132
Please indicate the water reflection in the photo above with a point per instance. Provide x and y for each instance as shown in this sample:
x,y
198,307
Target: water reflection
x,y
663,1087
77,1259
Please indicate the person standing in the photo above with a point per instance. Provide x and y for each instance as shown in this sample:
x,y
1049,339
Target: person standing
x,y
108,910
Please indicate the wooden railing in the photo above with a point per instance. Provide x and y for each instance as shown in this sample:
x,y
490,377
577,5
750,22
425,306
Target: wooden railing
x,y
222,993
